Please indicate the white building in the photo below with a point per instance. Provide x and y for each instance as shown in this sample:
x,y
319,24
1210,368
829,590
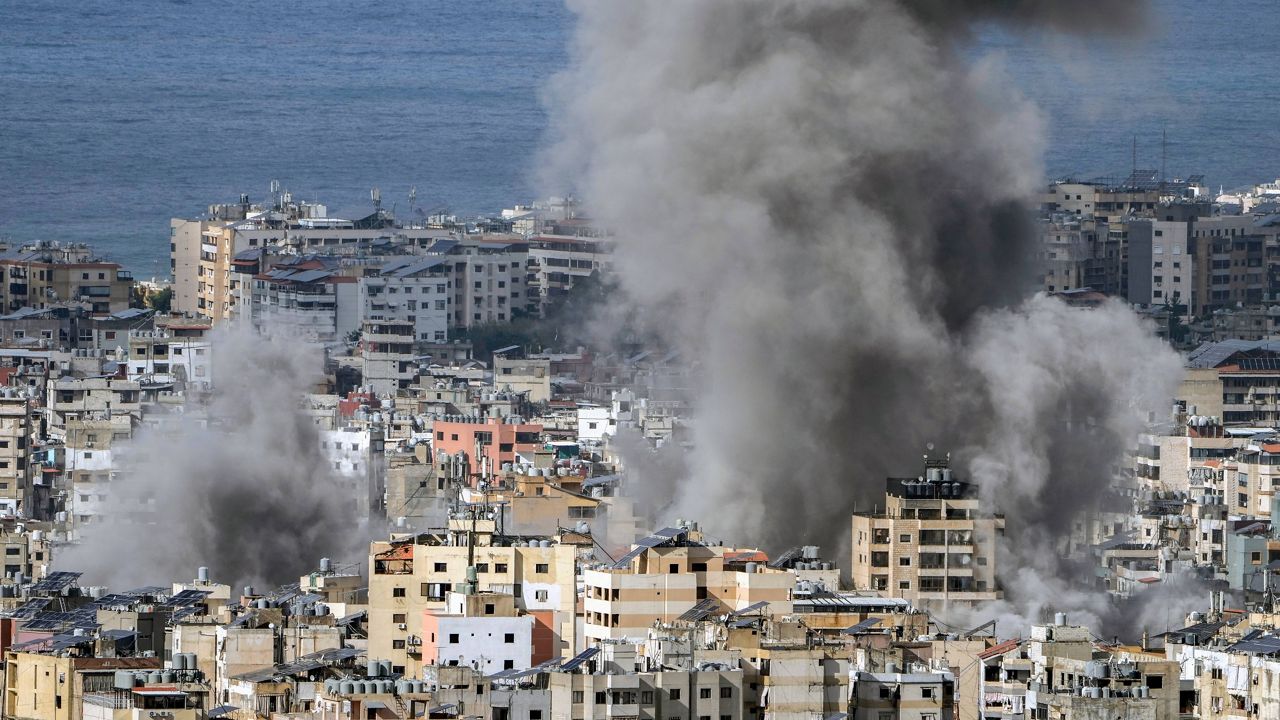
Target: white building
x,y
413,290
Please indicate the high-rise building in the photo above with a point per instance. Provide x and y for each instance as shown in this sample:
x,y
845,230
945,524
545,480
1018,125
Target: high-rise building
x,y
933,545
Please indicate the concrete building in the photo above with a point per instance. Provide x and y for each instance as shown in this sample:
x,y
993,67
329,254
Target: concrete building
x,y
306,299
411,290
1160,263
933,545
1235,380
47,274
487,444
523,375
667,575
557,262
483,630
386,355
414,574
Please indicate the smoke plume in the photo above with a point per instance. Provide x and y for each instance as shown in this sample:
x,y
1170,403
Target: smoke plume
x,y
242,488
829,206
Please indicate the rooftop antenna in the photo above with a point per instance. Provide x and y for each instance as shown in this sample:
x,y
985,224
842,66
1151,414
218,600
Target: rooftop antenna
x,y
376,195
1133,172
413,198
1164,152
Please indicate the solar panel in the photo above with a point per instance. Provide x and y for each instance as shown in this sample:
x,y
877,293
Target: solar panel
x,y
786,557
861,627
701,610
187,598
56,582
754,607
662,536
30,608
745,623
578,659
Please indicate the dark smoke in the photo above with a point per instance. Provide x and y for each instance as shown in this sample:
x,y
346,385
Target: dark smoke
x,y
838,204
249,494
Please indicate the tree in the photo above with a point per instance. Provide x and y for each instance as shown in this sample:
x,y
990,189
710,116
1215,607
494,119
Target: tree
x,y
161,300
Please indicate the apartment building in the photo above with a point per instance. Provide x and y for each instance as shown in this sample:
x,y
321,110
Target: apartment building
x,y
49,273
1160,263
934,544
1232,254
71,398
93,451
667,575
411,290
483,630
388,362
310,299
414,574
487,443
160,358
1110,202
531,376
557,262
17,431
489,282
1235,380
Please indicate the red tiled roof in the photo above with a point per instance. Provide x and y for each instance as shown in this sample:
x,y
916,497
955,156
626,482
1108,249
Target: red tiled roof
x,y
1000,649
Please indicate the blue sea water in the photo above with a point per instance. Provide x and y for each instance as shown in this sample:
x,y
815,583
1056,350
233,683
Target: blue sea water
x,y
115,116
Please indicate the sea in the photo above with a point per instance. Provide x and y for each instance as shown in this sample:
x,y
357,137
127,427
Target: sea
x,y
116,116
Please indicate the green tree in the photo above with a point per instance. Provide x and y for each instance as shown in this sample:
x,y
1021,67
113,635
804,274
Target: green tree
x,y
161,300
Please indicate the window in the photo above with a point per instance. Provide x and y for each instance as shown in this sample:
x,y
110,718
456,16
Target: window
x,y
599,698
398,618
904,538
397,592
904,584
674,694
397,644
533,714
1155,682
441,567
577,696
540,568
540,595
704,693
509,638
488,608
646,697
904,561
500,567
508,664
453,637
726,693
926,693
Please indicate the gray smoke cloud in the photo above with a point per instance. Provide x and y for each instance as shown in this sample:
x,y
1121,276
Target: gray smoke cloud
x,y
826,204
243,489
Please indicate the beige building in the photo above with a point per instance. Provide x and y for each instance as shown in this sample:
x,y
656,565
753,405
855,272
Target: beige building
x,y
16,432
520,375
48,274
413,574
934,544
42,686
670,573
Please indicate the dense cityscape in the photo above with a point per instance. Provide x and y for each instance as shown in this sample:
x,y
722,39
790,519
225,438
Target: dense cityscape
x,y
788,386
501,557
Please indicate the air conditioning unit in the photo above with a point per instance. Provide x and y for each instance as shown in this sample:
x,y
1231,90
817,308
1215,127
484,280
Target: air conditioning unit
x,y
413,640
402,626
